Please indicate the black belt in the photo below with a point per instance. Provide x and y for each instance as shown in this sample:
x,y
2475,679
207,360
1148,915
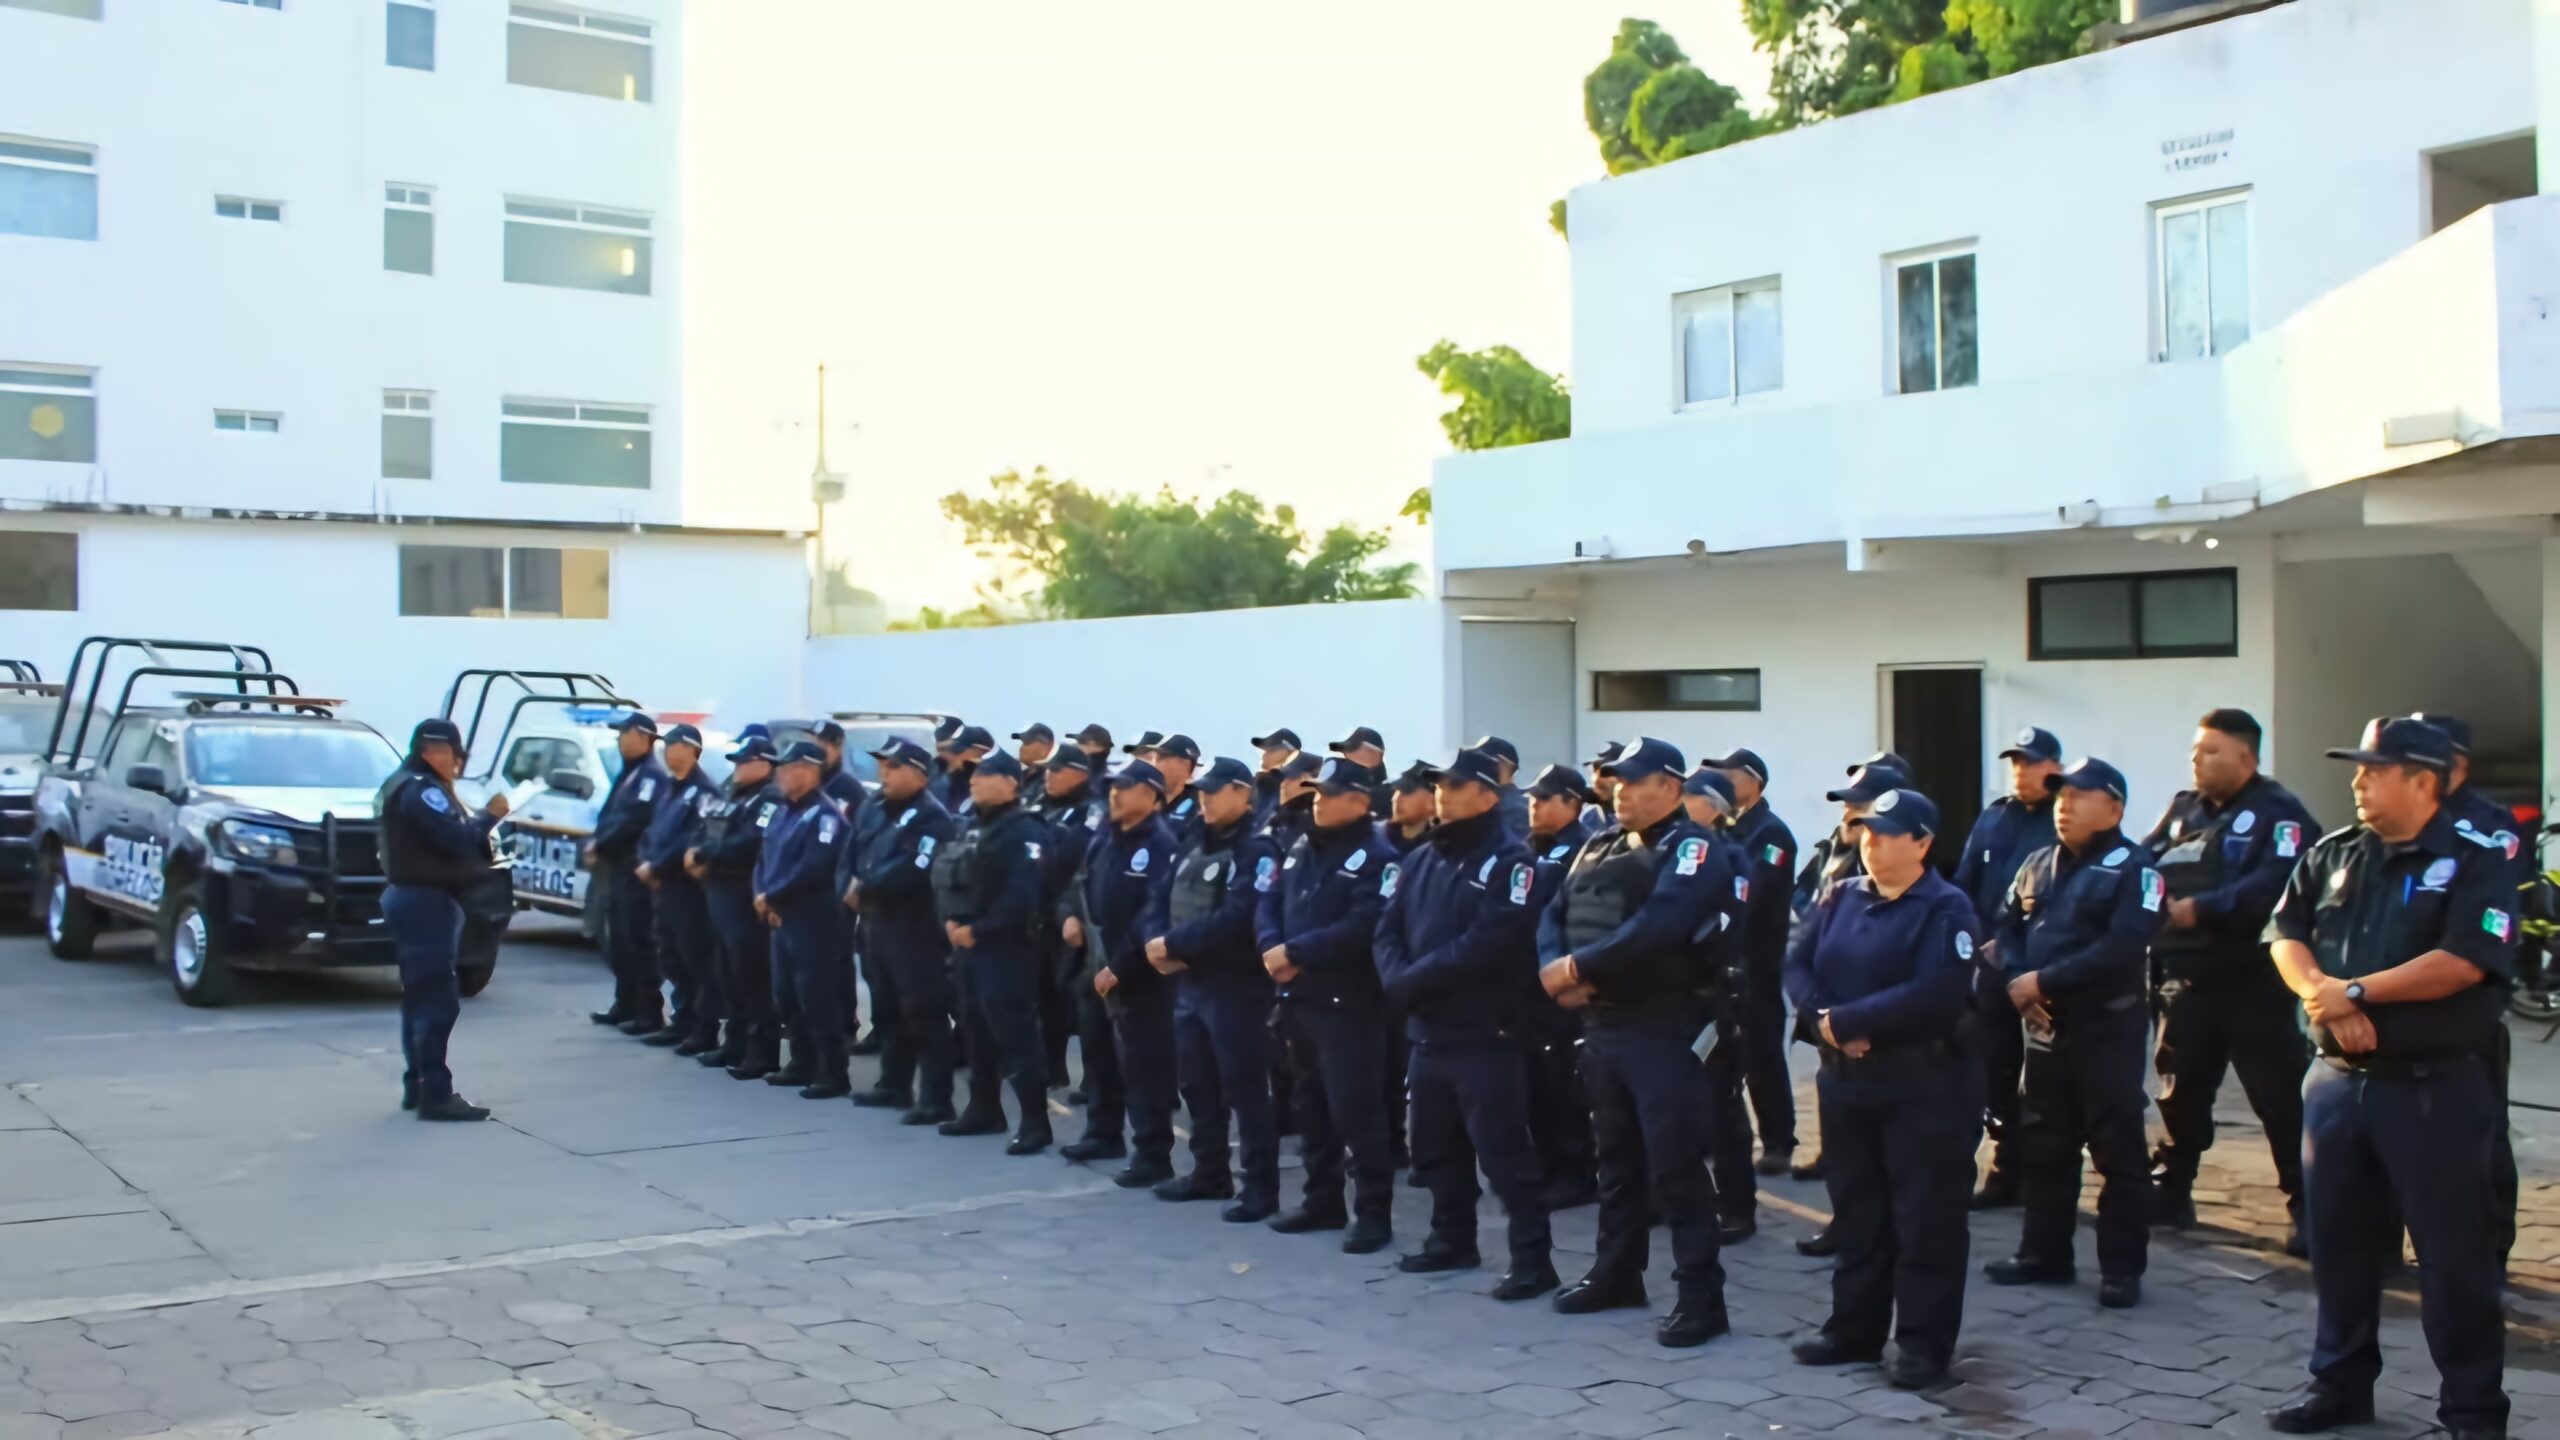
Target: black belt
x,y
2399,1069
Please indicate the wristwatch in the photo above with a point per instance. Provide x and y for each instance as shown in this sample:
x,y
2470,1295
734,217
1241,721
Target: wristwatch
x,y
2355,991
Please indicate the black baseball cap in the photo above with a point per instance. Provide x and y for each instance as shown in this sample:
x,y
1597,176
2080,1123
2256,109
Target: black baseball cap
x,y
1002,765
2455,728
2033,744
1147,741
1138,772
1180,747
1902,812
1338,776
1224,771
640,720
684,735
902,751
1746,760
1713,783
1094,735
973,737
1881,757
1559,781
1071,757
754,747
2401,742
1608,753
1868,783
1283,738
1420,775
945,728
2091,773
804,752
1037,732
830,732
1644,757
435,732
1496,745
1360,735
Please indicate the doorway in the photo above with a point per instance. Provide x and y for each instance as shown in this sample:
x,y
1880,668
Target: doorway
x,y
2489,172
1517,682
1933,718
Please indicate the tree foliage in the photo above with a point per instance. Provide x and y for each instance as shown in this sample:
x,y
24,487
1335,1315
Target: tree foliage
x,y
1502,398
1088,554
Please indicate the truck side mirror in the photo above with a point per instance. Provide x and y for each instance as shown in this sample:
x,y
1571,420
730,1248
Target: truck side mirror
x,y
572,782
147,777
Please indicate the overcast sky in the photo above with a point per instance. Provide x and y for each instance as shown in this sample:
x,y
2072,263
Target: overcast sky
x,y
1142,242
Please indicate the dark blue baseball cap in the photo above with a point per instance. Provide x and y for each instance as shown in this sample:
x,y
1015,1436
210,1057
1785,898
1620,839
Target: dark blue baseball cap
x,y
1180,747
1094,735
972,737
684,735
1002,765
1481,766
1608,753
1562,781
1644,756
1224,771
1749,762
804,752
1360,735
754,747
640,720
1496,745
1302,765
1881,757
435,732
945,728
1145,742
2401,742
1071,757
1138,772
1337,776
1420,775
1902,812
829,732
2455,728
1868,783
2090,773
1713,783
1037,732
1283,738
2033,744
902,751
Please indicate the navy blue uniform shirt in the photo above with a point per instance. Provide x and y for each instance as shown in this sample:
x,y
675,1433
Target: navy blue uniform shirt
x,y
1325,909
2083,923
1123,873
1011,845
1454,941
428,838
893,857
2008,831
797,869
746,814
1554,856
1893,971
675,827
1768,851
627,810
2248,845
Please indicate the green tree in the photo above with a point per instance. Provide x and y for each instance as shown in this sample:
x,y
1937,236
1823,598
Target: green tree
x,y
1502,400
1087,554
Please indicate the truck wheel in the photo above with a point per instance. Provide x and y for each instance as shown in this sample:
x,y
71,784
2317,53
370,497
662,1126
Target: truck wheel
x,y
194,951
70,921
478,962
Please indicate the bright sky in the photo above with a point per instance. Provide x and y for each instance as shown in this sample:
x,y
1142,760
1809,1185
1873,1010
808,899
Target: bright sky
x,y
1147,242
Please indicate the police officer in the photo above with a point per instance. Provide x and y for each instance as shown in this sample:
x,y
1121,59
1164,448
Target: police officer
x,y
1202,939
639,1007
989,888
903,830
724,861
1277,749
1886,966
1768,851
844,788
2010,829
1832,861
1095,742
1033,745
797,897
1456,949
1293,807
1604,788
2224,849
1412,814
1559,1113
969,749
1411,810
1365,746
1317,928
1176,757
1619,946
1514,806
1712,802
2074,940
1128,864
433,851
1144,747
686,945
2397,934
1077,812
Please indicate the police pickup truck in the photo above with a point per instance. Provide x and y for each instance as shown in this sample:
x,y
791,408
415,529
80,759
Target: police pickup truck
x,y
234,819
27,704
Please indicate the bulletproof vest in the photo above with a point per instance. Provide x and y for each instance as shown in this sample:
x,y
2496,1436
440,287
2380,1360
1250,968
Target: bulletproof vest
x,y
1199,880
409,860
1605,888
718,814
955,876
2190,866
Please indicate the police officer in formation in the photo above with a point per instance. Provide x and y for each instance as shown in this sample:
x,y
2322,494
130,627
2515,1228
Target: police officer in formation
x,y
1122,873
2010,828
1711,801
1768,850
1073,809
797,897
991,890
723,860
895,845
1559,1115
686,945
2225,849
612,852
434,851
1276,750
845,789
1832,861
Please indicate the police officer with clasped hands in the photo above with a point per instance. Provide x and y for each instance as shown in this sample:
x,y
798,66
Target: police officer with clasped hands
x,y
1619,946
1122,874
630,936
1559,1113
434,850
1768,851
2010,828
686,944
2397,934
724,861
987,885
891,896
796,895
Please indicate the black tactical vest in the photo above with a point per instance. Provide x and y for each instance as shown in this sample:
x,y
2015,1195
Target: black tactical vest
x,y
955,877
1199,880
2190,866
1606,885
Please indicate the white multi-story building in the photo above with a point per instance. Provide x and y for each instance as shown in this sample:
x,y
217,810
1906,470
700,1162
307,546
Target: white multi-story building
x,y
352,328
2218,367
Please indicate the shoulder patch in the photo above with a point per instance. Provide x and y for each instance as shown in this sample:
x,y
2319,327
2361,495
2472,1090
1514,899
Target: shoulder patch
x,y
826,829
1772,855
2495,921
1351,863
434,796
924,853
2439,874
2116,856
1138,862
1031,848
1520,875
1691,854
2508,842
2288,839
2485,842
1742,888
2154,890
1964,945
1387,881
648,787
1263,871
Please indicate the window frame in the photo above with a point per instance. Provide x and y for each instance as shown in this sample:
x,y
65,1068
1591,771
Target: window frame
x,y
1758,697
276,6
506,580
1932,256
2037,650
2162,212
249,206
515,408
72,536
411,198
249,422
86,389
63,167
95,11
429,6
586,219
1686,303
411,405
629,29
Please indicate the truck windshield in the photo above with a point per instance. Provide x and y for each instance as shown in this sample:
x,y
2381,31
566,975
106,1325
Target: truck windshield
x,y
316,757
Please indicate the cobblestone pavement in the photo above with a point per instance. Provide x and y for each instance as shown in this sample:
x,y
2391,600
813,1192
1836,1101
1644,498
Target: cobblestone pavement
x,y
1028,1297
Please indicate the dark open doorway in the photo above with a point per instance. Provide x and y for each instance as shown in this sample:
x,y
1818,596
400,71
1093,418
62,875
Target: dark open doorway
x,y
1937,726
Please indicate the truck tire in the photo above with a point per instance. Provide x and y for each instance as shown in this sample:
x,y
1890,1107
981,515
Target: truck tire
x,y
70,921
477,963
194,951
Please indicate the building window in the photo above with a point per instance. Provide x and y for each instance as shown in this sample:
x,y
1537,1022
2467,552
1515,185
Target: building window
x,y
257,4
236,207
579,247
2203,302
48,188
1675,690
1936,340
248,422
1730,342
582,53
490,582
75,9
409,229
567,442
2165,614
39,570
409,34
48,414
408,435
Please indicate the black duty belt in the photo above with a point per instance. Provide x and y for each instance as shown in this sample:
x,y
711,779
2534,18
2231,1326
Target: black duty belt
x,y
2400,1069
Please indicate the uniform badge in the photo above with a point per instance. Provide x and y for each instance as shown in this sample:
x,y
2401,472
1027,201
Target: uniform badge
x,y
1387,882
924,853
1209,873
764,817
1691,854
1326,774
1771,854
1138,862
1742,888
1263,871
1964,945
2153,889
1031,848
1886,801
2439,875
2338,880
1520,884
436,801
1351,865
2288,839
2116,856
826,829
648,788
1559,852
2026,737
906,815
2244,822
2496,922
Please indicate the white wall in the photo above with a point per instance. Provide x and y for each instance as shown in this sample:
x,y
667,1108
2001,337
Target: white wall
x,y
697,624
1221,677
182,312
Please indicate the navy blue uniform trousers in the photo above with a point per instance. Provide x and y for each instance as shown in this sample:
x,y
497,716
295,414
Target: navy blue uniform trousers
x,y
426,931
1142,1023
1559,1114
2083,1090
912,981
1764,1054
2420,1145
686,947
1338,1062
1898,1136
1470,1108
809,944
1222,1064
632,935
1651,1115
1000,1006
746,963
1729,1129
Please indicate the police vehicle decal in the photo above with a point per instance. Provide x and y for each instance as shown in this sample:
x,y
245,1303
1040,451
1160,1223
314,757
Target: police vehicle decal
x,y
434,796
546,863
2495,922
1263,871
1692,854
1387,881
2288,839
2116,856
2439,874
906,815
130,869
2152,890
1964,946
924,851
1520,884
2244,822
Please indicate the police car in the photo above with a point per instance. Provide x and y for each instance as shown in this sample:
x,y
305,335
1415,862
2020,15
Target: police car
x,y
229,814
27,705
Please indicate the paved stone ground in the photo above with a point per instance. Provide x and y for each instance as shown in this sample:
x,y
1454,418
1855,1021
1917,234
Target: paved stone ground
x,y
214,1226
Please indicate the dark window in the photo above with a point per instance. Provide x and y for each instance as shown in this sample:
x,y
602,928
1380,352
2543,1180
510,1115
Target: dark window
x,y
39,570
48,415
453,580
1675,690
1935,325
570,444
408,241
558,584
408,447
2161,615
409,36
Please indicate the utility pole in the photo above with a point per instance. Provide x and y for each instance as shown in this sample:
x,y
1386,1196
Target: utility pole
x,y
826,487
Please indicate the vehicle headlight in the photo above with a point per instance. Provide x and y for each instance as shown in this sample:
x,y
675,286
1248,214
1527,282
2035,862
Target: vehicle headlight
x,y
257,844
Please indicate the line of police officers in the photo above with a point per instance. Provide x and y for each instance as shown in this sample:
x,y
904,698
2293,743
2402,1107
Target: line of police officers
x,y
1573,986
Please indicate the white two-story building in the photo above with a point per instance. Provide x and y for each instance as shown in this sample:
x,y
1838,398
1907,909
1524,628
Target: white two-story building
x,y
351,328
2218,367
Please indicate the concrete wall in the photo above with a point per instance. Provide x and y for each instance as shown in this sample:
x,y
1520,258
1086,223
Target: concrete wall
x,y
1220,678
697,624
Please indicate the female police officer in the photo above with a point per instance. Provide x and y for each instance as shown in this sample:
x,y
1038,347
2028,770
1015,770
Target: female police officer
x,y
433,849
1885,965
